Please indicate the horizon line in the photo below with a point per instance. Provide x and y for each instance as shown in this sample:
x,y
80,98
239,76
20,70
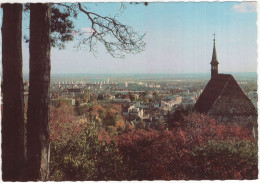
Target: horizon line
x,y
143,73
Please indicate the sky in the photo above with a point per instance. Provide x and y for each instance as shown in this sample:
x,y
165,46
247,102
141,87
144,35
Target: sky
x,y
179,39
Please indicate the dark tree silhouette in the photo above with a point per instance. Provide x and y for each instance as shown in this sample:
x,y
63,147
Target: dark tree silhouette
x,y
46,29
62,26
38,102
105,29
13,114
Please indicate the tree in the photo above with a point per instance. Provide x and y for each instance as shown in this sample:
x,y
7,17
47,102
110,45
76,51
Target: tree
x,y
13,102
62,26
78,109
126,40
132,97
177,116
84,152
101,96
230,160
38,102
198,148
115,36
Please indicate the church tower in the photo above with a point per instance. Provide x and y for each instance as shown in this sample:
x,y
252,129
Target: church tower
x,y
214,61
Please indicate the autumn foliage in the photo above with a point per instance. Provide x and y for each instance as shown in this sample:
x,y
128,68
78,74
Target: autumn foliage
x,y
64,124
196,148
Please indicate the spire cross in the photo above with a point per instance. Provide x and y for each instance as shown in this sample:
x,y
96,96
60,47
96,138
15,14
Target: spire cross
x,y
214,36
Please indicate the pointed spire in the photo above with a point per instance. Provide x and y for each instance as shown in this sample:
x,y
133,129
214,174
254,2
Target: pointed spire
x,y
214,59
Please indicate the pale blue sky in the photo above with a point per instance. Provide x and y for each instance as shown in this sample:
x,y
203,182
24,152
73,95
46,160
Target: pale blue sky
x,y
178,36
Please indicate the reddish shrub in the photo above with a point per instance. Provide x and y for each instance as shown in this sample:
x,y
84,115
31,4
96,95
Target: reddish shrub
x,y
169,155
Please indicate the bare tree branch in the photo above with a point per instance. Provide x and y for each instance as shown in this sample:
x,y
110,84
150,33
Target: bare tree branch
x,y
117,38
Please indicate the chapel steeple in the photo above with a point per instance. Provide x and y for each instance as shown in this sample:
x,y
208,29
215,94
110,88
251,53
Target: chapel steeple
x,y
214,61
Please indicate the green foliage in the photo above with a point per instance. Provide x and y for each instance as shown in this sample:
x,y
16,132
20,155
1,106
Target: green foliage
x,y
60,102
85,157
102,113
117,118
112,131
196,148
62,26
178,116
226,160
140,125
78,109
132,97
101,96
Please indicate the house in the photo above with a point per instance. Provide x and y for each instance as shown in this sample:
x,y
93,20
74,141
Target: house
x,y
74,90
169,101
224,100
119,100
133,112
188,101
167,105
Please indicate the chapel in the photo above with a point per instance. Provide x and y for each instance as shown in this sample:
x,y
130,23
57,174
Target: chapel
x,y
224,100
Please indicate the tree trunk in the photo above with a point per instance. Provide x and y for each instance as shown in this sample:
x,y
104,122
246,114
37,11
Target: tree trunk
x,y
12,88
38,102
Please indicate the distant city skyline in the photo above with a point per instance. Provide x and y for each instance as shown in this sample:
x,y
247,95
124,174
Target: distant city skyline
x,y
179,38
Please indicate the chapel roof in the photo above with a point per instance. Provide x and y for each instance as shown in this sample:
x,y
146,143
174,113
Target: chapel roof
x,y
220,90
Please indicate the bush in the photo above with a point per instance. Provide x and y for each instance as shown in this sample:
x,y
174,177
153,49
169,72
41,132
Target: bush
x,y
85,157
226,160
171,155
196,148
